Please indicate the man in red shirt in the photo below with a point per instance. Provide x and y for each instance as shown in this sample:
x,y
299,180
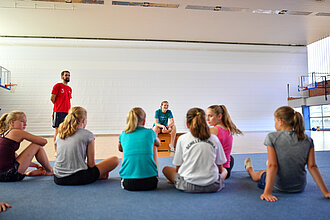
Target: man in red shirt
x,y
61,95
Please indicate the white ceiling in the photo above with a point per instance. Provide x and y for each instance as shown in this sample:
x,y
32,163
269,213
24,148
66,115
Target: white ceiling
x,y
76,20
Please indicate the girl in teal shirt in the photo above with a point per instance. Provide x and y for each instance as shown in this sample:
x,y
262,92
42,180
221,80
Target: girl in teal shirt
x,y
138,144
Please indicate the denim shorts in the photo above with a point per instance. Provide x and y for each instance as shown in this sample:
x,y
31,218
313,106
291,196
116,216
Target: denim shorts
x,y
262,181
262,185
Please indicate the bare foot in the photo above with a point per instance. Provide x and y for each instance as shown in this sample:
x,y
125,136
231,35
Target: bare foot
x,y
49,173
104,177
169,181
37,172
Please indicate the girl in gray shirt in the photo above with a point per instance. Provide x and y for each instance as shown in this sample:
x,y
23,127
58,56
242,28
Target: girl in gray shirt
x,y
75,144
289,150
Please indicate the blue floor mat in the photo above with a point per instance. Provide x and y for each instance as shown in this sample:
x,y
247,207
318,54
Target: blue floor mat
x,y
41,198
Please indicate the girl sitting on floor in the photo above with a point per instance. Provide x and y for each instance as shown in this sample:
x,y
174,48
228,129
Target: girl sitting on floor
x,y
13,166
139,147
223,127
198,158
289,150
74,145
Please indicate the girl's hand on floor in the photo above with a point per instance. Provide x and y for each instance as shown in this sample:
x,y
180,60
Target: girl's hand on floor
x,y
327,195
4,206
268,197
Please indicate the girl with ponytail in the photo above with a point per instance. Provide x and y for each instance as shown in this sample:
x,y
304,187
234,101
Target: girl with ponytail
x,y
224,129
289,150
75,144
13,166
198,158
139,146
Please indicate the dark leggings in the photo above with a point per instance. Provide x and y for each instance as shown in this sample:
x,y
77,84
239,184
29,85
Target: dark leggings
x,y
231,166
140,184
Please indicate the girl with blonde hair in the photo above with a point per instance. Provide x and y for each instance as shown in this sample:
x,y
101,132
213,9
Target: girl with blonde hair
x,y
12,165
224,128
198,158
74,145
139,147
289,150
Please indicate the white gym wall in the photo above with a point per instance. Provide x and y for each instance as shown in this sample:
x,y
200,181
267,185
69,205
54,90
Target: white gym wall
x,y
108,78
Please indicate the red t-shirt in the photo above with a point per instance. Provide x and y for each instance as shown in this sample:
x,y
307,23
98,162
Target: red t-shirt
x,y
63,96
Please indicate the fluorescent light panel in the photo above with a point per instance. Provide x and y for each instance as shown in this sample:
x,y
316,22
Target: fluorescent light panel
x,y
145,4
75,1
215,8
322,14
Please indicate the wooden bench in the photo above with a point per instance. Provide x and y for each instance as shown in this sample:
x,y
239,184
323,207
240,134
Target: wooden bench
x,y
165,140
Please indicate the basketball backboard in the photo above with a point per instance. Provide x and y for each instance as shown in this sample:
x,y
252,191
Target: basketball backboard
x,y
5,78
313,80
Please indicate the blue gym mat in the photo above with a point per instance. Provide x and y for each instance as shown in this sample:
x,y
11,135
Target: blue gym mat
x,y
40,198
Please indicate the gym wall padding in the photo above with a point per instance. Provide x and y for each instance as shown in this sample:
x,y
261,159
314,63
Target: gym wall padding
x,y
108,78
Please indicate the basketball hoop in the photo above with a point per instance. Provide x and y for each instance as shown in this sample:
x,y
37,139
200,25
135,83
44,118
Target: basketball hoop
x,y
12,87
302,87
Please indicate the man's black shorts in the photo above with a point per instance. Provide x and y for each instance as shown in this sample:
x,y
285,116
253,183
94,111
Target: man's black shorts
x,y
58,118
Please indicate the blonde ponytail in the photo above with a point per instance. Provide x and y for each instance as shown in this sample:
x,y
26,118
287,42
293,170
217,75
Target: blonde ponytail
x,y
134,117
69,126
3,125
7,118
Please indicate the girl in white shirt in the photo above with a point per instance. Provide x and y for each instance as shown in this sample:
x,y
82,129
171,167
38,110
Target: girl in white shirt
x,y
198,158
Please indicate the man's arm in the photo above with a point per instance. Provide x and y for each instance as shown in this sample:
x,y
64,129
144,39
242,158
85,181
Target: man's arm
x,y
53,98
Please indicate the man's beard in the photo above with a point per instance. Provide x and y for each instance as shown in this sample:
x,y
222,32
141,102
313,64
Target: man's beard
x,y
67,80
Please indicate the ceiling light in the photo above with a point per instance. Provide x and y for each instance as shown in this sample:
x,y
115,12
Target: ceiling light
x,y
322,14
281,12
217,8
75,1
145,4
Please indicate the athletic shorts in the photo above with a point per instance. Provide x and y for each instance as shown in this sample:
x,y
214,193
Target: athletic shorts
x,y
183,185
161,129
58,118
81,177
143,184
12,174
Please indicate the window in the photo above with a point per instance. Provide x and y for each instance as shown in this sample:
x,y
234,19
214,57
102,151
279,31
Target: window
x,y
320,116
315,111
318,56
299,109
